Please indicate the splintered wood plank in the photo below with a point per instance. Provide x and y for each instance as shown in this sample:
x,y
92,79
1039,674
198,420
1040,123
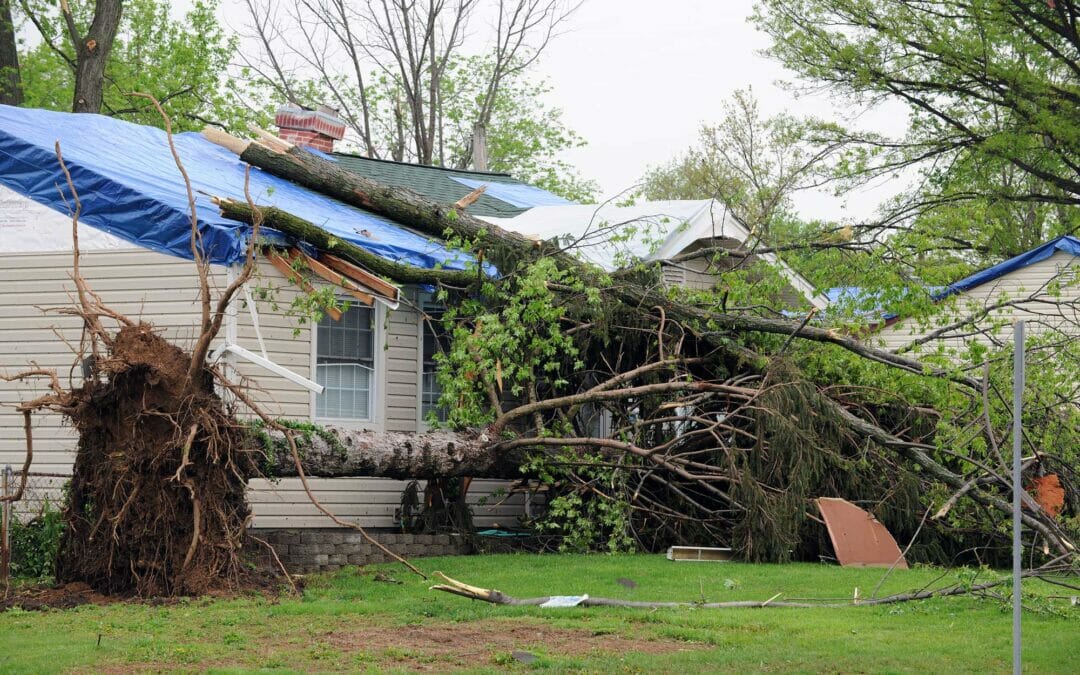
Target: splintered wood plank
x,y
361,276
338,279
292,275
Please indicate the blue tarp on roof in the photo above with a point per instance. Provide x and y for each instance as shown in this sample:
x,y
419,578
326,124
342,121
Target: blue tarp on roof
x,y
130,187
855,294
516,194
1068,243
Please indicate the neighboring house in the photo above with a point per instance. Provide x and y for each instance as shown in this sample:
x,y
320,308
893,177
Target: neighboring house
x,y
614,236
373,365
1040,286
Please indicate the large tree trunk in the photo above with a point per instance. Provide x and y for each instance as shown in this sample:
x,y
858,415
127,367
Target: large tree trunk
x,y
92,52
336,452
10,79
400,205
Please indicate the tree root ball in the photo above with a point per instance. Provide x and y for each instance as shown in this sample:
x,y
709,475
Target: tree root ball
x,y
157,501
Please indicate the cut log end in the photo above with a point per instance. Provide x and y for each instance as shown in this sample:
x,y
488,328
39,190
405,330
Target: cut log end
x,y
226,140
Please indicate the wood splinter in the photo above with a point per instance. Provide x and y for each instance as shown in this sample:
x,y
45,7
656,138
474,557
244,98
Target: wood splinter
x,y
469,199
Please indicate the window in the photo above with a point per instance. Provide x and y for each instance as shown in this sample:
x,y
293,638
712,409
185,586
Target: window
x,y
345,365
435,340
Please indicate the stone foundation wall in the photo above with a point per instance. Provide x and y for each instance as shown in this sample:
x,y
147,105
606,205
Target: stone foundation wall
x,y
320,550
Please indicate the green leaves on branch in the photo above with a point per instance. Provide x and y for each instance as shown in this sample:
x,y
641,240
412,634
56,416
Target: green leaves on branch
x,y
504,344
182,61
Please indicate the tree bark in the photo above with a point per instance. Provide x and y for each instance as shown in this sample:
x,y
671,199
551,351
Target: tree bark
x,y
92,52
10,76
336,452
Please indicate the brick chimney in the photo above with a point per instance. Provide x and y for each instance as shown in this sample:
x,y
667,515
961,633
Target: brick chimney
x,y
316,129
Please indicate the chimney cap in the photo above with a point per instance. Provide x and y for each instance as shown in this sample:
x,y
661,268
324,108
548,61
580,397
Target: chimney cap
x,y
324,121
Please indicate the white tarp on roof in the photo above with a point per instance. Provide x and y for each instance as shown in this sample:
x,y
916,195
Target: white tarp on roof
x,y
614,236
29,227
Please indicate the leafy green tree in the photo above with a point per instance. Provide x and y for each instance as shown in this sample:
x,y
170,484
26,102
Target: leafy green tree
x,y
10,82
183,62
992,94
525,136
420,99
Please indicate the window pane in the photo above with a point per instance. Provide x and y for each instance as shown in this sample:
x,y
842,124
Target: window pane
x,y
344,365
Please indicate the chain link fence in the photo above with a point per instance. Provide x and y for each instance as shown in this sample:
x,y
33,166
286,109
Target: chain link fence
x,y
29,525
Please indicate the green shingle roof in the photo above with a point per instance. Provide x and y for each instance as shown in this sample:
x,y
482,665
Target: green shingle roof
x,y
434,182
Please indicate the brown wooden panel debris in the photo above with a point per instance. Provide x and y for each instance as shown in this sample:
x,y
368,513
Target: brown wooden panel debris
x,y
858,539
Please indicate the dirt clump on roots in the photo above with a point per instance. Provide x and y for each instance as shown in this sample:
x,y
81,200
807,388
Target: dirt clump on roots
x,y
157,502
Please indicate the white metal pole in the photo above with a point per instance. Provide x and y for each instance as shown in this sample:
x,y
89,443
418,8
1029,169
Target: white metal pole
x,y
1018,487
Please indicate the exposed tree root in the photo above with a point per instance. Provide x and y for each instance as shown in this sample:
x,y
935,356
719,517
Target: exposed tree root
x,y
157,499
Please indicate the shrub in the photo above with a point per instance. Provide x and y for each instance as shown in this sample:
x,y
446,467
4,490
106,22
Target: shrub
x,y
35,543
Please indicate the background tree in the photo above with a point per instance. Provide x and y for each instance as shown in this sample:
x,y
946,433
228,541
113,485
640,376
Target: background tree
x,y
411,87
183,61
756,166
525,136
990,89
83,38
10,81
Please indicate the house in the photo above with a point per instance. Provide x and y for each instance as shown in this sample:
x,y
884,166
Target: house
x,y
371,367
1041,286
615,235
365,368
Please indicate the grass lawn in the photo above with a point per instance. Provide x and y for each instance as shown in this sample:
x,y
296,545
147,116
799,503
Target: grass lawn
x,y
360,620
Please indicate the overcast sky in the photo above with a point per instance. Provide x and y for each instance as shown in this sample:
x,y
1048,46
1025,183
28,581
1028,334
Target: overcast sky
x,y
636,78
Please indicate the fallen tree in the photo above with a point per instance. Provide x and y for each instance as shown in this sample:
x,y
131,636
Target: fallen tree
x,y
697,473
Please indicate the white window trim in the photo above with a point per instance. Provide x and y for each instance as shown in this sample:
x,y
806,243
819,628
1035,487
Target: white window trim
x,y
380,314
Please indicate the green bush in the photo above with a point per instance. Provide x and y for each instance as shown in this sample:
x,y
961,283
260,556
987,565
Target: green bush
x,y
35,544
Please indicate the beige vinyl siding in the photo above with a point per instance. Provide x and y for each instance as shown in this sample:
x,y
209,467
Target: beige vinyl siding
x,y
370,502
288,344
698,276
141,284
703,274
402,354
1019,284
164,291
674,276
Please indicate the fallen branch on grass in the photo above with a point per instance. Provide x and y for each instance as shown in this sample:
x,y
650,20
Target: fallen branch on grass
x,y
497,597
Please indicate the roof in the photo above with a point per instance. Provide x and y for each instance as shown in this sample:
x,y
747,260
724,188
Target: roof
x,y
29,227
613,236
504,197
130,188
1067,243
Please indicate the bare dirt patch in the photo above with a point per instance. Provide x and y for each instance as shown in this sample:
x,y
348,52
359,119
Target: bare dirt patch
x,y
64,596
438,646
